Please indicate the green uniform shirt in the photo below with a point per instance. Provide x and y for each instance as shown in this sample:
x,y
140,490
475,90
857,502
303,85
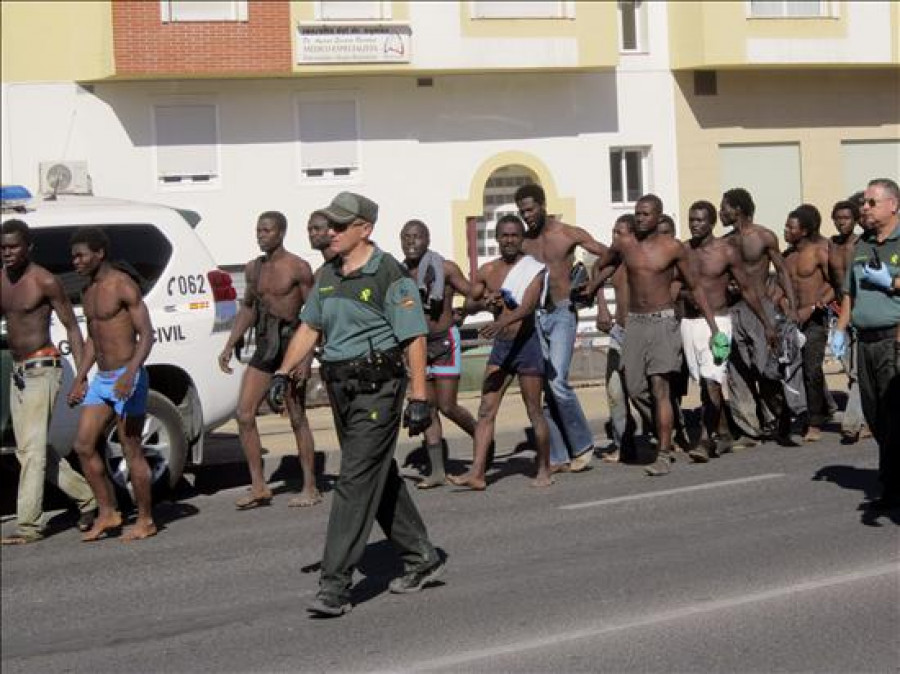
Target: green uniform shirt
x,y
375,308
874,308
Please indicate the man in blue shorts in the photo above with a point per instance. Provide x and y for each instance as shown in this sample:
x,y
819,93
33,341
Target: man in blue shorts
x,y
438,279
510,287
120,337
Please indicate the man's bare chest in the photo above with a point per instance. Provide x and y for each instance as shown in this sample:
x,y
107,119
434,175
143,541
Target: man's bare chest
x,y
102,304
548,248
276,281
709,264
804,265
22,297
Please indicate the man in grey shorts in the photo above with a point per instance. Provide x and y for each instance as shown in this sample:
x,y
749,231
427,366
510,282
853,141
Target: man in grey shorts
x,y
652,349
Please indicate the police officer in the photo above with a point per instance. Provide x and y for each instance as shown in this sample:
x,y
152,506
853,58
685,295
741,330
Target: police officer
x,y
872,302
368,312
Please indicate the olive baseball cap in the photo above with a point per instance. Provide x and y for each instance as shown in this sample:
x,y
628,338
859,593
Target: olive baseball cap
x,y
348,206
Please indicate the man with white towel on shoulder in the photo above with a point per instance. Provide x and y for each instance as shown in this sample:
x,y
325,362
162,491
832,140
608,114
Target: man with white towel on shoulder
x,y
509,287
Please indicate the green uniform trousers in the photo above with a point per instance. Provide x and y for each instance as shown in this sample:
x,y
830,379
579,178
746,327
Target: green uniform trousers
x,y
369,486
879,389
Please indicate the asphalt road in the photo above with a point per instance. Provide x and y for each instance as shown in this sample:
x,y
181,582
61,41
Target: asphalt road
x,y
757,562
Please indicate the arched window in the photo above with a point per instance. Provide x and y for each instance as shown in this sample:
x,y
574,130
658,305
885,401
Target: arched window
x,y
498,200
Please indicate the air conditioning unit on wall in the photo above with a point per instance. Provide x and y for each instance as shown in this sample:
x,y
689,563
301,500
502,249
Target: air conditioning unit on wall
x,y
64,177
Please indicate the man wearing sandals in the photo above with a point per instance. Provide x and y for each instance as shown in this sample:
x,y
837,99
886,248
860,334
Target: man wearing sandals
x,y
29,294
277,285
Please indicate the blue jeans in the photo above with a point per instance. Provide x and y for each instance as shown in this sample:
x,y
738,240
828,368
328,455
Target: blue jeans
x,y
570,434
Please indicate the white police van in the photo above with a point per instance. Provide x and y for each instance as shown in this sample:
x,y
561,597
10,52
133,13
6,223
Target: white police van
x,y
192,306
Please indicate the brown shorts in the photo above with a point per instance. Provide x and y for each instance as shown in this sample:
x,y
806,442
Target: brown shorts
x,y
652,346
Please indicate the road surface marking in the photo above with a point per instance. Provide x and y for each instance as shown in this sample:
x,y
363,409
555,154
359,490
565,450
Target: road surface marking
x,y
460,659
668,492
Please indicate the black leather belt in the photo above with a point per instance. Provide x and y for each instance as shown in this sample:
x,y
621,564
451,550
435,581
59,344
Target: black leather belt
x,y
869,335
39,362
377,367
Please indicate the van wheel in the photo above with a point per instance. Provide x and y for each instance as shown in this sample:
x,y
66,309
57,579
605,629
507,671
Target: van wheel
x,y
164,443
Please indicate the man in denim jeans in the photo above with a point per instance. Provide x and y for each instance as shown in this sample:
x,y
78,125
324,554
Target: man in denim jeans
x,y
30,294
553,243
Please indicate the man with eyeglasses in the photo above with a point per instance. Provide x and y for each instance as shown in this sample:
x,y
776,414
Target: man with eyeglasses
x,y
871,302
367,310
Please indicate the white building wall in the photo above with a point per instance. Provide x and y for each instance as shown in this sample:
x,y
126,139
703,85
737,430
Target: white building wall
x,y
646,110
434,46
420,146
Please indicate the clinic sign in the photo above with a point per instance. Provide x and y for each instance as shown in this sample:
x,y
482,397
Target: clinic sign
x,y
353,43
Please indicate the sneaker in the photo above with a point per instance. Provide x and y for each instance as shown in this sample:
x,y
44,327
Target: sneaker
x,y
415,580
786,440
659,467
724,443
699,454
324,606
849,437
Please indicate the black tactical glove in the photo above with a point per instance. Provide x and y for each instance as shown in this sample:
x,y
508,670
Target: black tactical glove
x,y
278,389
417,416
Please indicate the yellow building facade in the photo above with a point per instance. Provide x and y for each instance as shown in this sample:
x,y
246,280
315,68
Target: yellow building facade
x,y
794,108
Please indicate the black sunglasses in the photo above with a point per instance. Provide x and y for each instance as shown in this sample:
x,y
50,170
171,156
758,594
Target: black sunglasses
x,y
343,227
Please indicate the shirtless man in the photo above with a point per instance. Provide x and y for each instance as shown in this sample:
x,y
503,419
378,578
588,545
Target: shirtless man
x,y
120,337
845,215
679,383
807,263
553,243
652,347
28,295
277,285
715,263
438,279
621,423
319,237
516,349
753,374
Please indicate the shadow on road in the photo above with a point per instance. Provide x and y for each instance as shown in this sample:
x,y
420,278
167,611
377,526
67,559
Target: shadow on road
x,y
208,480
859,479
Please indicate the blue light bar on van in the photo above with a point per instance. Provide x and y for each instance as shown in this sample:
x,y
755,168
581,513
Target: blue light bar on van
x,y
14,193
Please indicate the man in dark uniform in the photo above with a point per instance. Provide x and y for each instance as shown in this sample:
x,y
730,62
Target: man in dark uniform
x,y
871,301
368,312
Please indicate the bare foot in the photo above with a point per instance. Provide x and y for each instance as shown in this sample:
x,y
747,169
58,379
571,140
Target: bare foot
x,y
560,468
468,480
306,499
251,500
543,480
103,527
431,482
139,531
813,434
21,539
